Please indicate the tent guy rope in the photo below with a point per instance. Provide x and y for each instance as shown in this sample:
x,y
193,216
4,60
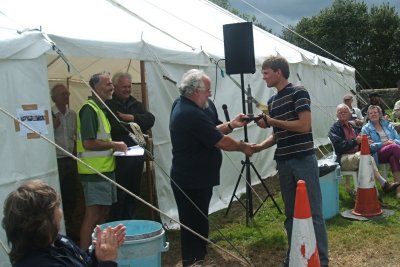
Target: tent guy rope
x,y
71,66
245,261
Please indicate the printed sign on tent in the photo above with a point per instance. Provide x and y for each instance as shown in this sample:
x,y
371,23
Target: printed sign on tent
x,y
34,117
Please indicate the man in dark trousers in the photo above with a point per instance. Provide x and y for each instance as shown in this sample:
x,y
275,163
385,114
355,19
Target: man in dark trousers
x,y
129,169
197,138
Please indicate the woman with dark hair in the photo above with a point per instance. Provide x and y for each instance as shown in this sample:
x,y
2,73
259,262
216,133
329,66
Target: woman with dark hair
x,y
385,141
32,218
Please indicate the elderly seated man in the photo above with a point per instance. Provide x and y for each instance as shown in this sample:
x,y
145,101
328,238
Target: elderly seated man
x,y
346,142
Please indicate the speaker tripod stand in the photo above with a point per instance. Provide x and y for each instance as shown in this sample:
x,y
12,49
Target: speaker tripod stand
x,y
246,165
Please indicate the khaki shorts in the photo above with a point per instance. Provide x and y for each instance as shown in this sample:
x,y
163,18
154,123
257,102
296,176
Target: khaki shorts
x,y
100,192
350,162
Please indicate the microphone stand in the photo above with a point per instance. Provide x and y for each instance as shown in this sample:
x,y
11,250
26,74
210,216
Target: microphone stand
x,y
247,164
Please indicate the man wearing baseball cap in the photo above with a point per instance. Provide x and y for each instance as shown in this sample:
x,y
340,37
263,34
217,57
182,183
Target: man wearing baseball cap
x,y
356,118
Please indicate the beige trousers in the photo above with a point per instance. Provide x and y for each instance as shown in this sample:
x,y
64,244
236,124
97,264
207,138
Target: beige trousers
x,y
350,162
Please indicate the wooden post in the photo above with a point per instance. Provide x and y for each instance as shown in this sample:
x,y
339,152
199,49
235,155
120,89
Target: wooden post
x,y
149,143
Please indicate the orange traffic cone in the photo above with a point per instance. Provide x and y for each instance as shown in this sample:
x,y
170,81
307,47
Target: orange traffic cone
x,y
303,247
367,203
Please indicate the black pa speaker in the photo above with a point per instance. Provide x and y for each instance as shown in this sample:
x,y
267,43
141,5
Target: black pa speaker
x,y
239,48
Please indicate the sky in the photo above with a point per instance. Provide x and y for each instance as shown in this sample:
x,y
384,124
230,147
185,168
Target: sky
x,y
289,12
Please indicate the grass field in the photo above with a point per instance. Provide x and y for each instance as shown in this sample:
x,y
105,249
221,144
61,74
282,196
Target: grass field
x,y
263,242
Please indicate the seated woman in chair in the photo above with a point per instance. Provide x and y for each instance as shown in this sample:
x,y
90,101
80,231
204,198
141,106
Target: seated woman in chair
x,y
385,141
346,143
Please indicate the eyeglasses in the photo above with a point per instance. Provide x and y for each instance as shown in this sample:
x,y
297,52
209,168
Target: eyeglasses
x,y
208,91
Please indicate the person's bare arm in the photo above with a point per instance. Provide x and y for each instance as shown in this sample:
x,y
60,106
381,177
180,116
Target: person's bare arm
x,y
237,122
302,125
227,143
98,145
268,142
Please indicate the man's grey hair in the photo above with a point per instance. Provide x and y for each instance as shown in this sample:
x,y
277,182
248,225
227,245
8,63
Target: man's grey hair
x,y
119,75
191,81
53,89
342,105
95,79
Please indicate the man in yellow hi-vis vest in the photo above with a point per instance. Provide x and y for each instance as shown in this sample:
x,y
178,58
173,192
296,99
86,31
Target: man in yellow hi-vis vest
x,y
95,148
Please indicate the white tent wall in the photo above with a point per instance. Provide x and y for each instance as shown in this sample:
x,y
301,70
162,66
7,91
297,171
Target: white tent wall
x,y
24,82
326,87
321,83
162,94
171,37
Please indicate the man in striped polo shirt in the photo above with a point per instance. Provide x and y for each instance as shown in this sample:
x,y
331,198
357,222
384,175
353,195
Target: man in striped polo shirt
x,y
290,118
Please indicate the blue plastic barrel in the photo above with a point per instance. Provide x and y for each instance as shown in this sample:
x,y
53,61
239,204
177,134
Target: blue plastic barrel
x,y
144,242
329,184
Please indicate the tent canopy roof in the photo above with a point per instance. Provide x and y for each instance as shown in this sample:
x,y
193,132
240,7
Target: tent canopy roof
x,y
146,30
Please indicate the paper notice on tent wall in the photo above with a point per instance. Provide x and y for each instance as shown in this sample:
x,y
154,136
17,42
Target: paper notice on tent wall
x,y
34,117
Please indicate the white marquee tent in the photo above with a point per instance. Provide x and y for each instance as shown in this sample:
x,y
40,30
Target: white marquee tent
x,y
169,37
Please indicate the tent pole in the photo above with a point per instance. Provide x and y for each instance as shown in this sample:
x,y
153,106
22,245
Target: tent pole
x,y
143,85
149,142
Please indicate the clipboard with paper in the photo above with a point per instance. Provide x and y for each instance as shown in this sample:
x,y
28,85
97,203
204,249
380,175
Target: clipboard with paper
x,y
133,151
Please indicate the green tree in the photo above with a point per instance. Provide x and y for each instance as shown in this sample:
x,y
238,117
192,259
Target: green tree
x,y
222,3
383,61
368,41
